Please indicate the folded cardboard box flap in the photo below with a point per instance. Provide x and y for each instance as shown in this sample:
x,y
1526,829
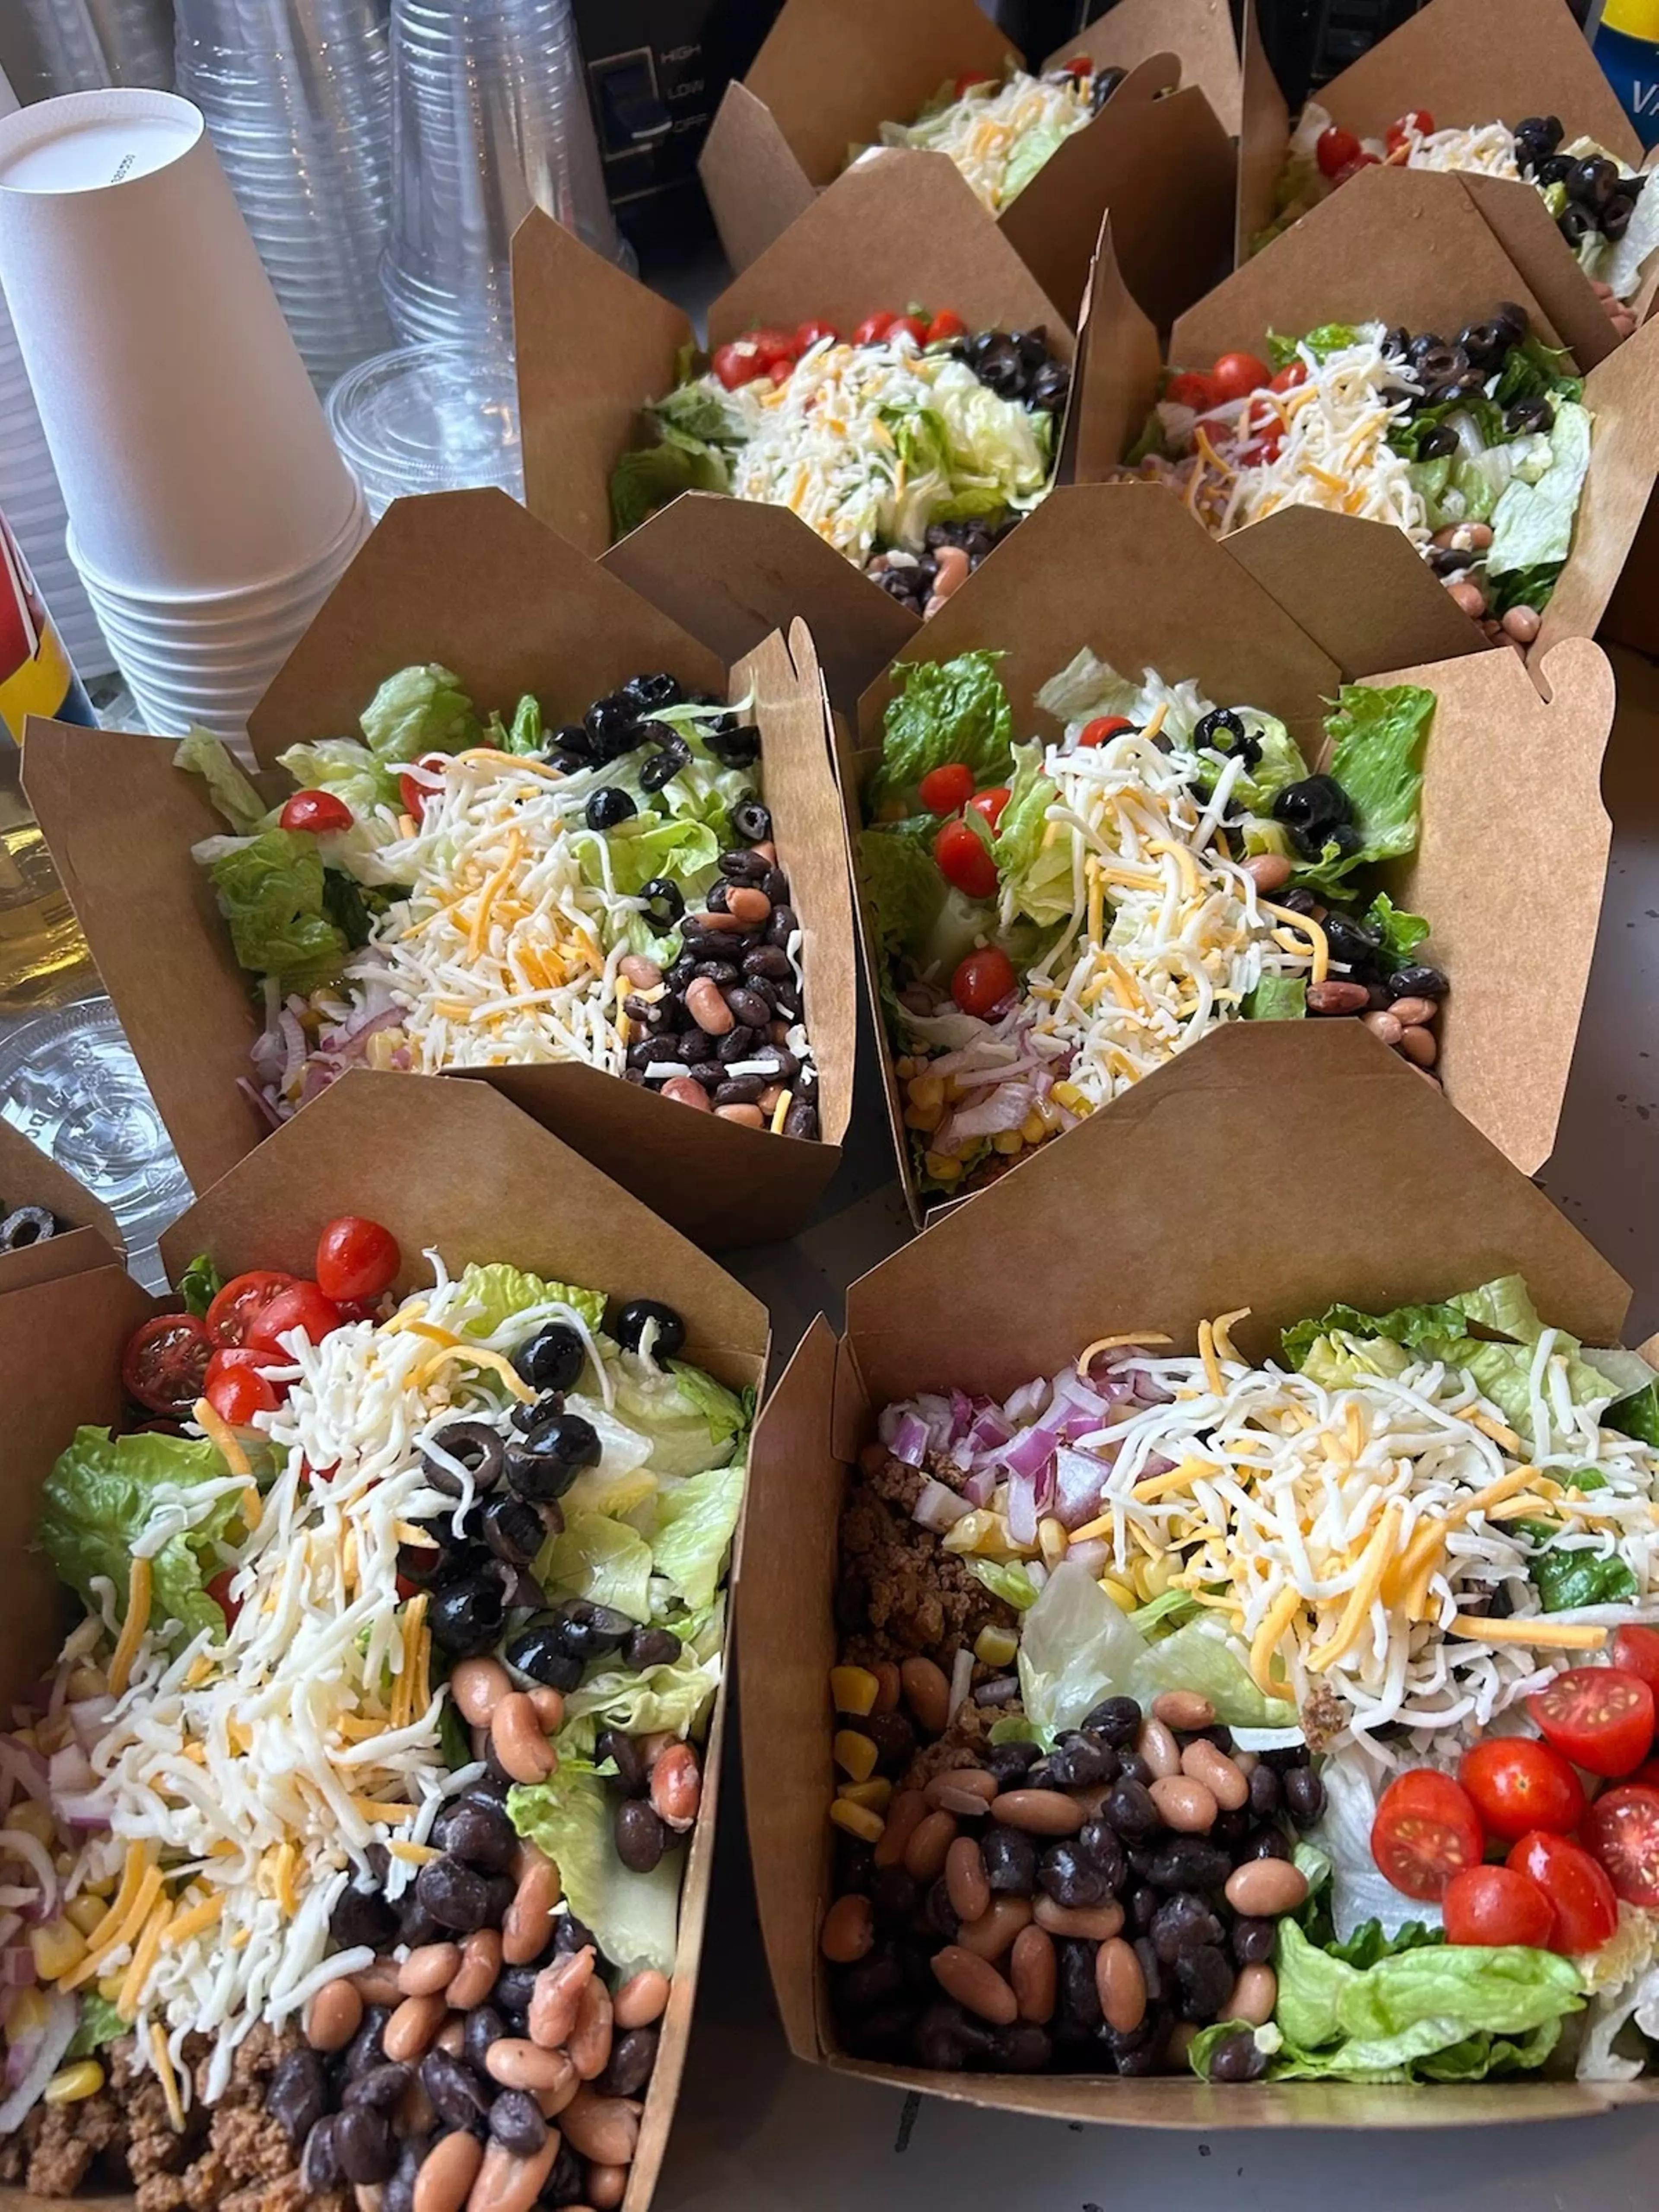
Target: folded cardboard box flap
x,y
88,1237
470,579
1465,62
1610,585
1198,33
1142,1222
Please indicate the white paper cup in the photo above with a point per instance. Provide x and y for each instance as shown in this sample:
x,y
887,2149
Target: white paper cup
x,y
193,607
189,445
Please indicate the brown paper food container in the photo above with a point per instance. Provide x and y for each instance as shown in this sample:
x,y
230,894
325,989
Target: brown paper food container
x,y
1411,246
1124,570
89,1239
449,1167
470,579
1157,158
1466,62
1422,1206
595,347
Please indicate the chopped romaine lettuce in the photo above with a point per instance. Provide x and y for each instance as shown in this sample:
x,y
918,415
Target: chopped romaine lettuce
x,y
674,1420
1531,523
202,753
943,711
692,1535
901,883
200,1284
1401,933
1035,868
419,710
598,1558
676,1695
1004,1579
500,1291
634,1916
99,2023
650,477
1276,999
1377,757
272,893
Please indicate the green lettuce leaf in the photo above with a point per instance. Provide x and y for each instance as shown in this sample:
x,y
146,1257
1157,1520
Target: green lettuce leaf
x,y
726,1414
1276,999
1526,587
1566,1578
1281,763
1377,754
596,1558
699,414
1401,933
101,1494
502,1291
1531,523
345,767
645,846
1202,1657
200,1284
200,753
1533,370
99,2023
1006,1579
528,733
635,1918
1036,870
1412,1325
672,1418
650,477
1328,339
419,710
691,1541
675,1696
1636,1415
1170,1611
901,883
271,892
945,711
1031,150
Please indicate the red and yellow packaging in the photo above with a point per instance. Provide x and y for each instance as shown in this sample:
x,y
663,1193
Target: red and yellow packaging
x,y
37,675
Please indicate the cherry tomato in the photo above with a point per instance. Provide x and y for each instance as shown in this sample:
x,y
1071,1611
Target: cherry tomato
x,y
1586,1909
774,349
237,1387
1637,1651
964,861
982,980
1496,1905
219,1591
1293,372
165,1363
873,329
1079,65
1601,1717
1426,1831
1266,448
318,811
812,334
738,364
1190,389
947,323
1335,150
355,1259
1518,1784
947,790
1415,119
1101,730
243,1298
991,803
300,1306
1238,374
913,327
970,78
1352,168
415,793
1622,1831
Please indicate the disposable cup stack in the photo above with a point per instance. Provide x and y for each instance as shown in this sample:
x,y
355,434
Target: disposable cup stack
x,y
86,45
209,512
297,96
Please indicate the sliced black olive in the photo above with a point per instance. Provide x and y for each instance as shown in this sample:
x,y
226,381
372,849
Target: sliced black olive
x,y
1106,82
1316,803
26,1225
475,1446
1528,415
467,1616
661,769
736,748
539,1652
1437,444
1592,181
588,1630
542,1465
750,820
650,693
613,723
608,807
1615,221
552,1359
665,902
1574,223
633,1320
1050,387
513,1530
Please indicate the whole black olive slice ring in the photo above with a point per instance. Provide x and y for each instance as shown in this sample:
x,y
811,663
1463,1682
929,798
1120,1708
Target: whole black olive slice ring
x,y
473,1444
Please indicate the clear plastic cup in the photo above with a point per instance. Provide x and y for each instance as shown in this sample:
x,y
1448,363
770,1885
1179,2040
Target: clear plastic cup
x,y
84,45
442,417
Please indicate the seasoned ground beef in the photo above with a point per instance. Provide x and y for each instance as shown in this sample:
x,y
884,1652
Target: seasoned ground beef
x,y
967,1736
901,1592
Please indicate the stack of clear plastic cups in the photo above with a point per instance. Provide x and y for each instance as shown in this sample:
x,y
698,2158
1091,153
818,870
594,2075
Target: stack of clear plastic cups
x,y
489,118
86,45
297,97
442,417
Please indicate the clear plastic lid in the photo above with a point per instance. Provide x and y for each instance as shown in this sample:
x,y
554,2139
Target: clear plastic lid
x,y
442,417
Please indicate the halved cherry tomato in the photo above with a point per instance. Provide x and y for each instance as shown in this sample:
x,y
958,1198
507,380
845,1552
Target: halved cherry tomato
x,y
1519,1785
1621,1830
165,1363
1293,372
873,329
1191,389
237,1387
355,1259
1415,119
1103,729
1586,1909
242,1297
1426,1831
1361,160
413,793
913,327
774,349
737,364
982,980
1266,448
964,861
1335,149
300,1306
812,334
1637,1651
1601,1717
219,1591
947,323
947,790
991,803
1238,374
970,78
1495,1904
319,811
1079,65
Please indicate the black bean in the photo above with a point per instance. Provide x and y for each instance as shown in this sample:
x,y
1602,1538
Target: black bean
x,y
415,1925
1130,1810
1116,1720
567,2184
381,2088
1145,1903
1152,1968
1264,1843
943,2043
940,1914
1103,1847
320,2170
298,2095
894,1894
1132,1767
514,1988
1079,1997
457,2094
650,1647
874,1981
454,1894
1253,1941
540,1653
479,1833
484,2026
363,2145
642,1839
1236,2058
801,1120
1011,1861
1418,983
1265,1792
398,2194
516,2122
782,926
1008,1761
367,2048
1189,1862
1070,1876
571,1934
1304,1796
362,1919
740,1090
768,963
1183,1922
1080,1760
749,1008
894,1740
633,2058
1207,1979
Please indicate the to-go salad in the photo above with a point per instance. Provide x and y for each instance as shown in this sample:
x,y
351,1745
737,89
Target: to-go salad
x,y
448,892
1599,205
1476,446
1000,131
1055,921
1341,1665
341,1841
908,445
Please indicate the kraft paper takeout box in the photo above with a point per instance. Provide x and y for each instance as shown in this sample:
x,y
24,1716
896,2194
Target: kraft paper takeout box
x,y
90,1238
595,348
1511,783
470,579
1152,1219
450,1167
1465,62
1419,248
1157,159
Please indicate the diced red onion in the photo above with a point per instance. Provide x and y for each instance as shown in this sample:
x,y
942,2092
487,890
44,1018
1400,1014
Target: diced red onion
x,y
1080,1478
937,1507
1004,1109
1029,1452
908,1441
962,1678
23,1767
88,1718
70,1770
1022,1508
17,1967
31,2065
28,1851
1094,1554
1026,1402
991,1427
962,1415
981,1486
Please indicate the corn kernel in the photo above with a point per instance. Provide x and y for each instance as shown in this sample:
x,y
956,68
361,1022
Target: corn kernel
x,y
927,1091
110,1985
52,1735
1068,1096
104,1885
926,1118
876,1794
854,1690
29,2016
1052,1540
995,1647
858,1820
1120,1593
1151,1577
1008,1142
72,2085
855,1755
904,1067
1034,1128
87,1682
1049,1114
35,1819
86,1913
942,1167
56,1946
